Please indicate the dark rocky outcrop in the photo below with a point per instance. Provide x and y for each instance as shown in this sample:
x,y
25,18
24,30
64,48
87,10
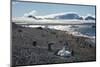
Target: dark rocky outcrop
x,y
30,16
90,18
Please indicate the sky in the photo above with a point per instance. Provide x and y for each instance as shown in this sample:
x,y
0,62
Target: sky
x,y
20,9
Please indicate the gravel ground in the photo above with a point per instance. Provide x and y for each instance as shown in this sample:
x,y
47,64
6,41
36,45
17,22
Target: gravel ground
x,y
30,46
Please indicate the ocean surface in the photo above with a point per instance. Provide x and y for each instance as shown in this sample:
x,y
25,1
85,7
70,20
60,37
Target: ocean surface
x,y
88,30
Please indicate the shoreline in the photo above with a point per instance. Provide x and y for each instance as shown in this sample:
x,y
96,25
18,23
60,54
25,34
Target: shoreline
x,y
74,33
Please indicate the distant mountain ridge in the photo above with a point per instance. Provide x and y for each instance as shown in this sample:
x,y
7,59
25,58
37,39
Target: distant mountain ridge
x,y
64,16
69,16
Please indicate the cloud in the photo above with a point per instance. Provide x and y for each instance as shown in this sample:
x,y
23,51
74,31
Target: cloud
x,y
90,15
13,3
33,13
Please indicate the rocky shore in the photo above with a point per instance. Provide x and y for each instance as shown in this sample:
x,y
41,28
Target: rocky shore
x,y
30,46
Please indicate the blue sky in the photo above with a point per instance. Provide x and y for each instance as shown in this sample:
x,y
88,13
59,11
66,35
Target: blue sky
x,y
20,9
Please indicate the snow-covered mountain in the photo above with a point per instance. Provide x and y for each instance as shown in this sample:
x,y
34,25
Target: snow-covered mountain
x,y
69,16
62,16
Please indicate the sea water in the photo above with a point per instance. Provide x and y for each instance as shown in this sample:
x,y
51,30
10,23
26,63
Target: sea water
x,y
88,30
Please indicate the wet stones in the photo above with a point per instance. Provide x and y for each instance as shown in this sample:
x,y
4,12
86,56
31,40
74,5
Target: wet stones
x,y
85,44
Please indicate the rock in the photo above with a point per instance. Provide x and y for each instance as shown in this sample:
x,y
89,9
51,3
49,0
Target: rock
x,y
49,46
15,26
19,30
60,41
89,18
34,43
40,28
72,53
64,53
